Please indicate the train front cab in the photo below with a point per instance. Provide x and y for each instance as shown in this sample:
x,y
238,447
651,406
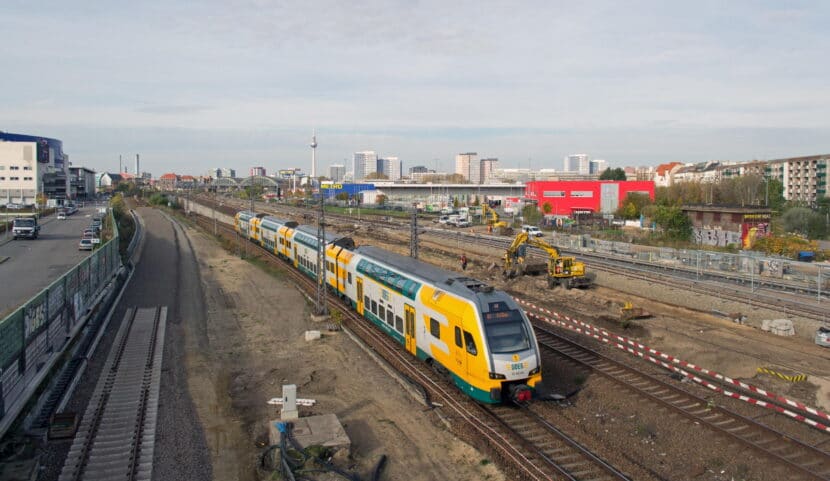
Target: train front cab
x,y
457,343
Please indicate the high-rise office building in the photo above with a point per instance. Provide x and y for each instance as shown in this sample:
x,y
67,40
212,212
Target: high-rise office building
x,y
467,165
337,172
257,171
578,163
221,172
487,169
390,167
598,166
364,163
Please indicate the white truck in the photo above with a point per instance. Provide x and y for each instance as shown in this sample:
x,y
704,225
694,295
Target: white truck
x,y
25,227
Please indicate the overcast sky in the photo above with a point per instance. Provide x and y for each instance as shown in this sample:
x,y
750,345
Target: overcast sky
x,y
192,85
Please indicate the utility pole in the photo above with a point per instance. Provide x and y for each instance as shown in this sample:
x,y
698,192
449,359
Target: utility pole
x,y
320,308
413,235
215,187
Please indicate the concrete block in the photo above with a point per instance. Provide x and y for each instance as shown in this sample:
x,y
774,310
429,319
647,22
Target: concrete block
x,y
323,430
312,335
323,318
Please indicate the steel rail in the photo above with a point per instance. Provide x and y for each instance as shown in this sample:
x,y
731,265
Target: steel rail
x,y
807,459
485,422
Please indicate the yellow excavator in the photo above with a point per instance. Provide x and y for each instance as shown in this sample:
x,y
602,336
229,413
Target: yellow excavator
x,y
499,226
564,271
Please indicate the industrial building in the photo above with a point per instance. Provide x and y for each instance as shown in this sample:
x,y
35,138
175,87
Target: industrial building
x,y
572,198
31,166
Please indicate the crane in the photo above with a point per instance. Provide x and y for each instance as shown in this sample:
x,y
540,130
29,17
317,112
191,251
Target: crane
x,y
561,270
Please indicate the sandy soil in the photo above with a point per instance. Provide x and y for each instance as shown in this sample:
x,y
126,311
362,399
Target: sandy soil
x,y
252,343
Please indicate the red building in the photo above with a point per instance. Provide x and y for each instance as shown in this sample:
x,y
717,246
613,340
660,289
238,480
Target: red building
x,y
580,197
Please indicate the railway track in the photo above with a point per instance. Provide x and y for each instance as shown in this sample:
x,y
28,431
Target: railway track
x,y
799,460
116,437
762,293
534,449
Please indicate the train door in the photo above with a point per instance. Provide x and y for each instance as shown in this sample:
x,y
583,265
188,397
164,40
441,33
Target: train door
x,y
459,353
360,295
409,329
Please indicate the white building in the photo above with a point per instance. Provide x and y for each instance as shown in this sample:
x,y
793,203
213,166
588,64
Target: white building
x,y
364,163
468,166
221,172
598,166
390,167
487,170
30,166
578,163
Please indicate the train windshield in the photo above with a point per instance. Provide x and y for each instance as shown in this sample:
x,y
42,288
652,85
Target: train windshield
x,y
506,332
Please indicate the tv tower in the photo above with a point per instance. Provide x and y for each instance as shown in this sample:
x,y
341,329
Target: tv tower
x,y
313,145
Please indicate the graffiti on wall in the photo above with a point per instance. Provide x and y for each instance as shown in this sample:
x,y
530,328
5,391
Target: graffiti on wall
x,y
716,237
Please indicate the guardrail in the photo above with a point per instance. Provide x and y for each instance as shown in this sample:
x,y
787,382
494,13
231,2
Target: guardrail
x,y
33,337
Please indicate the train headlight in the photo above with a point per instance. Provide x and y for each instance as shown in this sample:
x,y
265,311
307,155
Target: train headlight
x,y
495,375
535,370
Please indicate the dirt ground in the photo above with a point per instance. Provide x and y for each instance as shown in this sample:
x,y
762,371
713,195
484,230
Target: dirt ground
x,y
253,342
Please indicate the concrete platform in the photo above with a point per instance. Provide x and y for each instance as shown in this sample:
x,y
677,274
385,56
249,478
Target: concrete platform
x,y
323,430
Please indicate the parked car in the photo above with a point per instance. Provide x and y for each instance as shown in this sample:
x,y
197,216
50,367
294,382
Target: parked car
x,y
463,223
823,336
533,231
61,215
85,244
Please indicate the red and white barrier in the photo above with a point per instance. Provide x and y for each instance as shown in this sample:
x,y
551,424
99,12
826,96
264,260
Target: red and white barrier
x,y
641,350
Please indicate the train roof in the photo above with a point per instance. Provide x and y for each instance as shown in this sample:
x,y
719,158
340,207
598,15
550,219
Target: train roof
x,y
312,231
269,219
446,280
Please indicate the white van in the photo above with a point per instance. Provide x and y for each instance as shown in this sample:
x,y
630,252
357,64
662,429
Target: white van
x,y
532,230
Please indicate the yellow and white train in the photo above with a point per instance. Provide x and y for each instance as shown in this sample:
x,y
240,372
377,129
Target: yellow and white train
x,y
477,334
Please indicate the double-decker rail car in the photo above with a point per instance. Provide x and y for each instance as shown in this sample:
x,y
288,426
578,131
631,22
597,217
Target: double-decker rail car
x,y
478,335
274,233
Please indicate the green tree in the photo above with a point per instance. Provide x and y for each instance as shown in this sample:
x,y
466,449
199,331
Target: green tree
x,y
342,196
531,214
633,205
675,224
613,174
776,195
376,176
547,208
380,199
804,221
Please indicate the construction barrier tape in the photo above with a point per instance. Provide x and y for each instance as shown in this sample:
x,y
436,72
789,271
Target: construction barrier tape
x,y
640,350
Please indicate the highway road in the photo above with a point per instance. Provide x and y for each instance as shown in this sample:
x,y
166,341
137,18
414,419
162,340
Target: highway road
x,y
31,265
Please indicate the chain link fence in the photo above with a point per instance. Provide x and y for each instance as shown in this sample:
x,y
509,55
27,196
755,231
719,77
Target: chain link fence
x,y
752,267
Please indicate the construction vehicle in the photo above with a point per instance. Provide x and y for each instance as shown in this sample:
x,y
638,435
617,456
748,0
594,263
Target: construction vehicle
x,y
561,270
628,312
498,226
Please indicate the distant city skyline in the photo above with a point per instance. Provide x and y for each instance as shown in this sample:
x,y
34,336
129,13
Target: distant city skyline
x,y
636,85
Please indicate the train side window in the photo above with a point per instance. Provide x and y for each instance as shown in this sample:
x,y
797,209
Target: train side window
x,y
434,328
350,277
367,303
458,341
390,316
471,344
381,312
398,324
374,307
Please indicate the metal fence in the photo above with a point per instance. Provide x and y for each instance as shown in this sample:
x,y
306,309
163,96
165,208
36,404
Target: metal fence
x,y
40,330
753,267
